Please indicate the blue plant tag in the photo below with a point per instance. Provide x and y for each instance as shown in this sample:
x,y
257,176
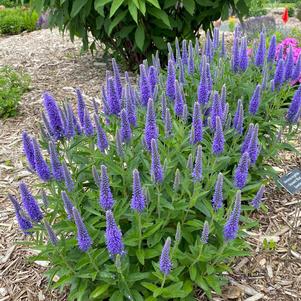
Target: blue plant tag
x,y
291,181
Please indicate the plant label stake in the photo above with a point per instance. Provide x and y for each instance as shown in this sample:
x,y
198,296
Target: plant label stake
x,y
291,181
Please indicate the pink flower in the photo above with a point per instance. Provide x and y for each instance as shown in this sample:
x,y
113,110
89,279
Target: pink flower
x,y
249,52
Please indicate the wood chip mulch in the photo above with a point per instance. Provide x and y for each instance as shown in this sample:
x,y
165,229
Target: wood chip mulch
x,y
55,65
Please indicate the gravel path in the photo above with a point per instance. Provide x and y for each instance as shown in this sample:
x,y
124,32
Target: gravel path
x,y
54,64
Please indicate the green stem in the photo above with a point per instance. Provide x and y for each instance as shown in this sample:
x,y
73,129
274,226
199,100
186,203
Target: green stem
x,y
128,291
199,256
221,250
158,201
93,263
66,262
163,281
139,229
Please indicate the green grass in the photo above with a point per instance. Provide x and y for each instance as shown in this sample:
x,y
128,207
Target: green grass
x,y
16,20
12,86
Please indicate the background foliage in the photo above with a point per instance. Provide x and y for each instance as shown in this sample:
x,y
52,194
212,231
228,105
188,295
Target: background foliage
x,y
135,29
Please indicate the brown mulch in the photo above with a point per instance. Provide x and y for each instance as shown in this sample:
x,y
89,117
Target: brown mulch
x,y
54,64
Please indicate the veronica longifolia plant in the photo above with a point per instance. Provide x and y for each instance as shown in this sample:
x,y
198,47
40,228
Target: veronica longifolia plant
x,y
143,200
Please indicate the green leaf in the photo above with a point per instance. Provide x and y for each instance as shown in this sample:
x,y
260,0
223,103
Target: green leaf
x,y
214,283
154,3
116,21
99,290
133,11
142,7
139,37
193,272
149,286
161,15
77,6
140,255
117,296
189,6
99,6
115,5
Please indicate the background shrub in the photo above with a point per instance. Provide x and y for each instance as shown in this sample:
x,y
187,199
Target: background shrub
x,y
12,85
135,29
16,20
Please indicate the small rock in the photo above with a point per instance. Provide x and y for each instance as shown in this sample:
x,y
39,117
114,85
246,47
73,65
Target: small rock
x,y
3,291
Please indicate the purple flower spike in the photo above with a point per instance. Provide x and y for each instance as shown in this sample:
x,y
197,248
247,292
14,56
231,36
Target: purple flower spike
x,y
223,96
232,225
130,106
177,181
255,101
209,78
156,167
81,106
24,223
51,235
197,124
153,77
272,49
41,166
185,113
223,48
70,126
125,129
84,240
163,106
28,150
48,129
218,143
170,52
113,99
56,166
106,198
144,85
208,47
217,200
247,139
102,141
216,109
260,54
119,148
272,85
191,59
179,101
197,172
205,233
138,199
117,79
289,64
216,38
235,55
293,113
67,205
241,172
54,116
165,261
279,73
184,53
150,130
253,148
168,124
67,178
189,163
203,91
243,56
280,53
297,70
113,236
88,126
96,176
171,80
182,72
258,197
239,118
30,204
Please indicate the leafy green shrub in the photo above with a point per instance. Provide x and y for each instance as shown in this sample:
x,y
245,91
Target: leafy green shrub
x,y
12,85
291,11
7,3
170,183
16,20
135,29
257,8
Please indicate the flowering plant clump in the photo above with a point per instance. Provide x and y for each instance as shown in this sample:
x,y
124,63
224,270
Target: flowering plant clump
x,y
149,198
